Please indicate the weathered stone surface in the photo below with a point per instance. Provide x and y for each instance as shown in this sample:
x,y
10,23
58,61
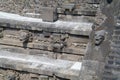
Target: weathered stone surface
x,y
66,40
33,7
59,40
49,14
40,65
110,9
81,28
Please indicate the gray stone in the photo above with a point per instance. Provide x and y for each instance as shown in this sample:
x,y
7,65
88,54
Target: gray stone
x,y
49,14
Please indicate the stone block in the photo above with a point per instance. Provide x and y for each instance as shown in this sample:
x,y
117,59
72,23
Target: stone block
x,y
49,14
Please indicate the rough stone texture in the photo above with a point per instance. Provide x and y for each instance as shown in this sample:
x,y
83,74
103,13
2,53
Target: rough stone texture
x,y
106,53
33,7
78,28
112,65
40,65
111,10
73,33
49,40
61,39
91,70
98,52
6,74
49,14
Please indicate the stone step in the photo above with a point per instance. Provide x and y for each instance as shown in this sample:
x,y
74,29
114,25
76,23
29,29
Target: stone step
x,y
40,65
112,66
117,26
107,72
109,77
74,28
115,67
115,62
117,30
116,34
116,37
116,41
115,50
110,62
108,67
42,46
114,55
115,45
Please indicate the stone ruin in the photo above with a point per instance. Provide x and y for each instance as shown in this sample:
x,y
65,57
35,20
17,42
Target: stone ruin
x,y
59,40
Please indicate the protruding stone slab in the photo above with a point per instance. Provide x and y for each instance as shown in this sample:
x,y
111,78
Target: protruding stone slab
x,y
20,22
40,65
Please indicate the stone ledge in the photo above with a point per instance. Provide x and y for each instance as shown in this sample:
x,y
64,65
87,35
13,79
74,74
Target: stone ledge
x,y
17,21
40,65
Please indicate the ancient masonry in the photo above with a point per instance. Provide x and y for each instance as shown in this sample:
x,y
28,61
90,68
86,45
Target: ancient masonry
x,y
45,39
112,67
58,40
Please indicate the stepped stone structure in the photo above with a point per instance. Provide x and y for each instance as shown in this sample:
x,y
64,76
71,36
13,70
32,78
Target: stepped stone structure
x,y
111,10
45,39
112,64
109,48
59,40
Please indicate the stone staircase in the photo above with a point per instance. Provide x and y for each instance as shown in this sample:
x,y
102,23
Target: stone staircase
x,y
112,67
